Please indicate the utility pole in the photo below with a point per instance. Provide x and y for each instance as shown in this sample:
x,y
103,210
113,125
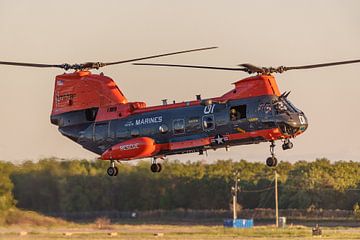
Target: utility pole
x,y
234,190
276,200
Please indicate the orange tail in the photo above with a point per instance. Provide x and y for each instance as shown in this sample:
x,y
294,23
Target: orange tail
x,y
83,90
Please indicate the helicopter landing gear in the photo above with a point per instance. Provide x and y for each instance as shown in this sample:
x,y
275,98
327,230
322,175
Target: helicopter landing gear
x,y
155,167
112,170
287,144
272,161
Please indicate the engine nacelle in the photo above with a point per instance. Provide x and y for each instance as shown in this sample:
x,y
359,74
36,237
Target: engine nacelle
x,y
141,147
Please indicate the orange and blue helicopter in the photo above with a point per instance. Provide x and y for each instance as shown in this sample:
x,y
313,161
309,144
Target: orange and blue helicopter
x,y
91,110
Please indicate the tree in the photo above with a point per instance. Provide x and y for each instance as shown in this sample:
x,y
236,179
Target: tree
x,y
6,198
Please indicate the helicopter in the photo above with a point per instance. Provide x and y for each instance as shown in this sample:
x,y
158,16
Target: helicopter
x,y
91,110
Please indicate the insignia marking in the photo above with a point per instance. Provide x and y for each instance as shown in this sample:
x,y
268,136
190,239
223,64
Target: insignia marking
x,y
219,139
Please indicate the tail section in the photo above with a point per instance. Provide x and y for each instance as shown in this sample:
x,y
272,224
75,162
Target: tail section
x,y
83,90
78,97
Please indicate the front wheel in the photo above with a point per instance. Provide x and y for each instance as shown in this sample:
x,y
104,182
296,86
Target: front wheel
x,y
155,167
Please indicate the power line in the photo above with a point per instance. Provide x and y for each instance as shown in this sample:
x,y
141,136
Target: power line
x,y
257,190
320,188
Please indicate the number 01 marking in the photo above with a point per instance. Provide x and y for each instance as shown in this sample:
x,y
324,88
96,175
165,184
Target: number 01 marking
x,y
302,119
209,109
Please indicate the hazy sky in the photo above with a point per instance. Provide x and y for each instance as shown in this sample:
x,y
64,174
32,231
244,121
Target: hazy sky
x,y
268,33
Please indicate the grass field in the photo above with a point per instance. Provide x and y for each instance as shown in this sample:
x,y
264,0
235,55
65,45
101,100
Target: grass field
x,y
148,231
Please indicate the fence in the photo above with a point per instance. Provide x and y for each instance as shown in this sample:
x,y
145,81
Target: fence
x,y
186,214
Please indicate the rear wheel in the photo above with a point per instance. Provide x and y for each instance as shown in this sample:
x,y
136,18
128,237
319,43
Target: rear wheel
x,y
112,171
154,167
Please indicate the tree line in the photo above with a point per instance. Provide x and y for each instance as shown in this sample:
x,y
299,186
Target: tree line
x,y
66,186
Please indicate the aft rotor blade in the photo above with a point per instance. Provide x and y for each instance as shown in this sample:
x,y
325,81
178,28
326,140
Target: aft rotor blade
x,y
322,65
191,66
159,55
39,65
281,69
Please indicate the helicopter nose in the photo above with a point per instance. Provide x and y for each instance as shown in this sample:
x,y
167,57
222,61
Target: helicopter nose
x,y
298,122
292,124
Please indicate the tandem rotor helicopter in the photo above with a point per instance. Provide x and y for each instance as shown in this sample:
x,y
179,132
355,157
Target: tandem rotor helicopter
x,y
91,110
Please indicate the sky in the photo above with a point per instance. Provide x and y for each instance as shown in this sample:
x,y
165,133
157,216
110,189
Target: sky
x,y
264,33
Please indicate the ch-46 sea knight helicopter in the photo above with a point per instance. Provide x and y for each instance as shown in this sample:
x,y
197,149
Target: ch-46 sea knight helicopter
x,y
92,111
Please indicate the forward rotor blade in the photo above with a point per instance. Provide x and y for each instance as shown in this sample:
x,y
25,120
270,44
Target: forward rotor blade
x,y
96,65
191,66
160,55
252,68
322,65
39,65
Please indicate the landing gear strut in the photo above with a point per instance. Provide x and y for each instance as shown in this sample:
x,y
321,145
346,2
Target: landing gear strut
x,y
287,144
155,167
272,161
112,170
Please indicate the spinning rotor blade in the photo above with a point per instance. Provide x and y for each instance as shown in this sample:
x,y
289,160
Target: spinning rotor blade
x,y
249,68
39,65
191,66
95,65
160,55
281,69
322,65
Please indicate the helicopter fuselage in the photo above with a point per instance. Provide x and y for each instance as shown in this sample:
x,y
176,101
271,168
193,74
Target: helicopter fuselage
x,y
193,126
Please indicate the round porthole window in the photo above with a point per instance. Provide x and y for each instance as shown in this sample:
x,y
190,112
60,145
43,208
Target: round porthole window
x,y
163,128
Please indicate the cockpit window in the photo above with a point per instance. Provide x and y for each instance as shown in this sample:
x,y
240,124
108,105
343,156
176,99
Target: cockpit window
x,y
283,105
280,107
264,108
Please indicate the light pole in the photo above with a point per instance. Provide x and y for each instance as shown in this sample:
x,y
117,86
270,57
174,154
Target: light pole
x,y
234,190
276,200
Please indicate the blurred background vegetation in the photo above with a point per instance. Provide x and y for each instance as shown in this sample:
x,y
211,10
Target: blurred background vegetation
x,y
70,186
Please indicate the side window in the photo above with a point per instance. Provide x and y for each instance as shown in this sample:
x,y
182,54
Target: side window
x,y
179,126
237,112
193,124
208,122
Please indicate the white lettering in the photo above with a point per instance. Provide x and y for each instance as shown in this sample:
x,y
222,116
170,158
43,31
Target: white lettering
x,y
209,109
302,119
150,120
129,147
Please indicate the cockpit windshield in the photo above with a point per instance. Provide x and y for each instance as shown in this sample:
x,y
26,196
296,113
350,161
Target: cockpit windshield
x,y
283,105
